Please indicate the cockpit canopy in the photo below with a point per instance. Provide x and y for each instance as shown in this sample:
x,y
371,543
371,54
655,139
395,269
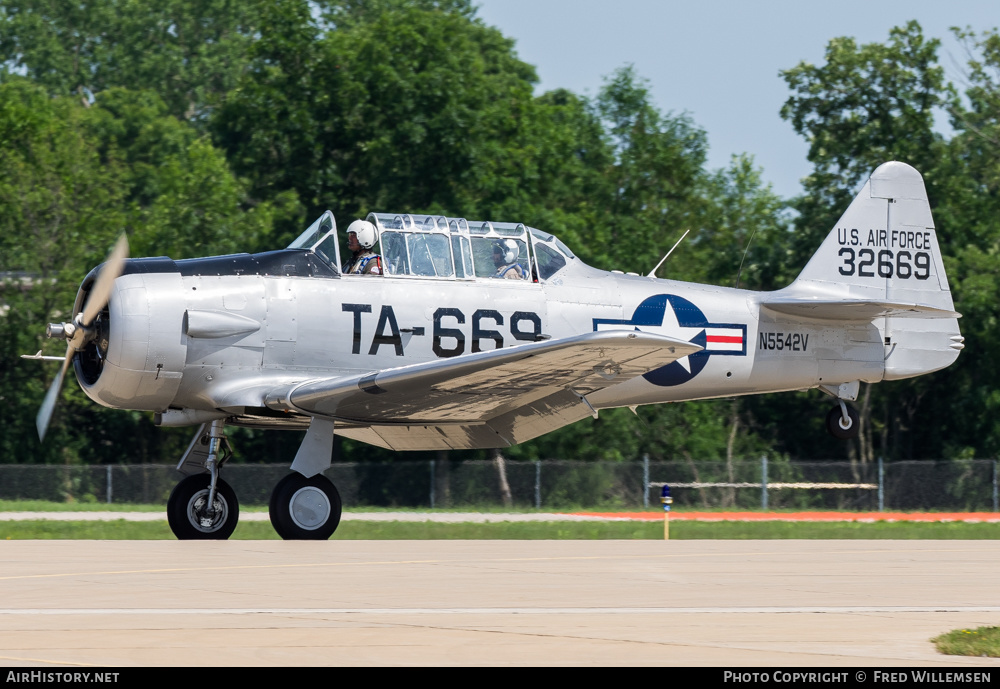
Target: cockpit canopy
x,y
435,246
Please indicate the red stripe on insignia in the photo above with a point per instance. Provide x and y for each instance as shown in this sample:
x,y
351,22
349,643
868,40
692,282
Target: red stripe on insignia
x,y
728,339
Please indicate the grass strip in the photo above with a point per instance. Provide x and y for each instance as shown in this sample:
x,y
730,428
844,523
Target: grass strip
x,y
360,530
50,506
982,642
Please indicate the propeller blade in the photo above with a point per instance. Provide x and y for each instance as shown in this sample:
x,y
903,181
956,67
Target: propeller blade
x,y
98,298
100,293
49,403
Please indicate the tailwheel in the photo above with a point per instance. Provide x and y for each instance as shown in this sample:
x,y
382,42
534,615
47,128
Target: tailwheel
x,y
188,510
305,508
843,422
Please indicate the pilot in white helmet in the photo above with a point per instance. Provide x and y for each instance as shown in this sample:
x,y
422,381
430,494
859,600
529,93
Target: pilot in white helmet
x,y
505,253
361,237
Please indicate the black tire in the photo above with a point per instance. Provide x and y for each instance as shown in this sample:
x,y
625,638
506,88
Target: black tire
x,y
188,499
835,423
305,508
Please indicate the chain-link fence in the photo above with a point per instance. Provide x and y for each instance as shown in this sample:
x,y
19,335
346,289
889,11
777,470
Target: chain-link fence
x,y
960,485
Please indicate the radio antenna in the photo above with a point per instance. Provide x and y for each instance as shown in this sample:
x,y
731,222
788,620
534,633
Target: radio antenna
x,y
745,252
652,273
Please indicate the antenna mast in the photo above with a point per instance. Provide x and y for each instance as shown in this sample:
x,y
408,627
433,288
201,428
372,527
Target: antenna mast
x,y
652,273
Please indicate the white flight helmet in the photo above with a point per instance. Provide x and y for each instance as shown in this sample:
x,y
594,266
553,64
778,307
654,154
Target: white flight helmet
x,y
367,234
509,249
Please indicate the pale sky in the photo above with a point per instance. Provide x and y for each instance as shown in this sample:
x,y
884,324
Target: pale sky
x,y
718,60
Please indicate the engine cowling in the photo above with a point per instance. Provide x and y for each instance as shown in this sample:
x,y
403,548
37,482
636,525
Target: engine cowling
x,y
137,358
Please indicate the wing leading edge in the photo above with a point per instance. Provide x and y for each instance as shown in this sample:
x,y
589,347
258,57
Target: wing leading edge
x,y
486,399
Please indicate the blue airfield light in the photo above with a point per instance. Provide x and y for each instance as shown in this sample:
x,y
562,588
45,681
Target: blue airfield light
x,y
665,498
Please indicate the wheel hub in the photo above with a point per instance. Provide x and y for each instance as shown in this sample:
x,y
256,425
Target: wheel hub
x,y
309,508
199,515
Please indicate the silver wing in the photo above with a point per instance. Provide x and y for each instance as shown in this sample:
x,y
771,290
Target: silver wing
x,y
486,399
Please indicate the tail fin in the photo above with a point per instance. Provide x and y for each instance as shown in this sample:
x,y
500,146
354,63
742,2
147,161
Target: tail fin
x,y
882,260
884,247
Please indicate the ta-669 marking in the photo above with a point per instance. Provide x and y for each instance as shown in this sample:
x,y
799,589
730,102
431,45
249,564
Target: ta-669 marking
x,y
795,342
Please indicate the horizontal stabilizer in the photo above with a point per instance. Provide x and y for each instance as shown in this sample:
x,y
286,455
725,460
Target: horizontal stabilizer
x,y
853,309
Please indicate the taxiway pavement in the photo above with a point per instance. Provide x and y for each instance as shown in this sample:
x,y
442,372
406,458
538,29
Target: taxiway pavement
x,y
777,603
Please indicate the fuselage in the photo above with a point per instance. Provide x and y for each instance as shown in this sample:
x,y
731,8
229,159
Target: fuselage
x,y
203,338
471,335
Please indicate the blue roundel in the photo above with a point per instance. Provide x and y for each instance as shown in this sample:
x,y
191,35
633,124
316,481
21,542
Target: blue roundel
x,y
688,316
675,373
650,315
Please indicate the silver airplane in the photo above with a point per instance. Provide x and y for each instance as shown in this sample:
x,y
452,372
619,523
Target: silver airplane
x,y
483,335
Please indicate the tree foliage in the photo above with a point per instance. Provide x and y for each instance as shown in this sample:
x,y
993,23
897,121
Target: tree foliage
x,y
878,102
212,127
865,105
72,178
190,52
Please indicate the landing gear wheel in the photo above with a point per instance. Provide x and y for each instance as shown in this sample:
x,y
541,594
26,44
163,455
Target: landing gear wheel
x,y
187,511
305,508
838,427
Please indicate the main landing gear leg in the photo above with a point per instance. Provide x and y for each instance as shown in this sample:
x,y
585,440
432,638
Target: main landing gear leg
x,y
305,505
203,506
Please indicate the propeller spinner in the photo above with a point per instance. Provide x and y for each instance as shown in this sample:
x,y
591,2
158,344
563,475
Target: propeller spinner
x,y
80,330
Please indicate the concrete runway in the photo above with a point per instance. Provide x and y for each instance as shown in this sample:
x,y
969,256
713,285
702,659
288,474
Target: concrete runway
x,y
783,603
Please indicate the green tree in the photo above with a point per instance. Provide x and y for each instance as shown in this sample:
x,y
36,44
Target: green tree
x,y
404,107
183,200
742,230
864,106
967,212
190,51
72,178
655,179
61,207
550,172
